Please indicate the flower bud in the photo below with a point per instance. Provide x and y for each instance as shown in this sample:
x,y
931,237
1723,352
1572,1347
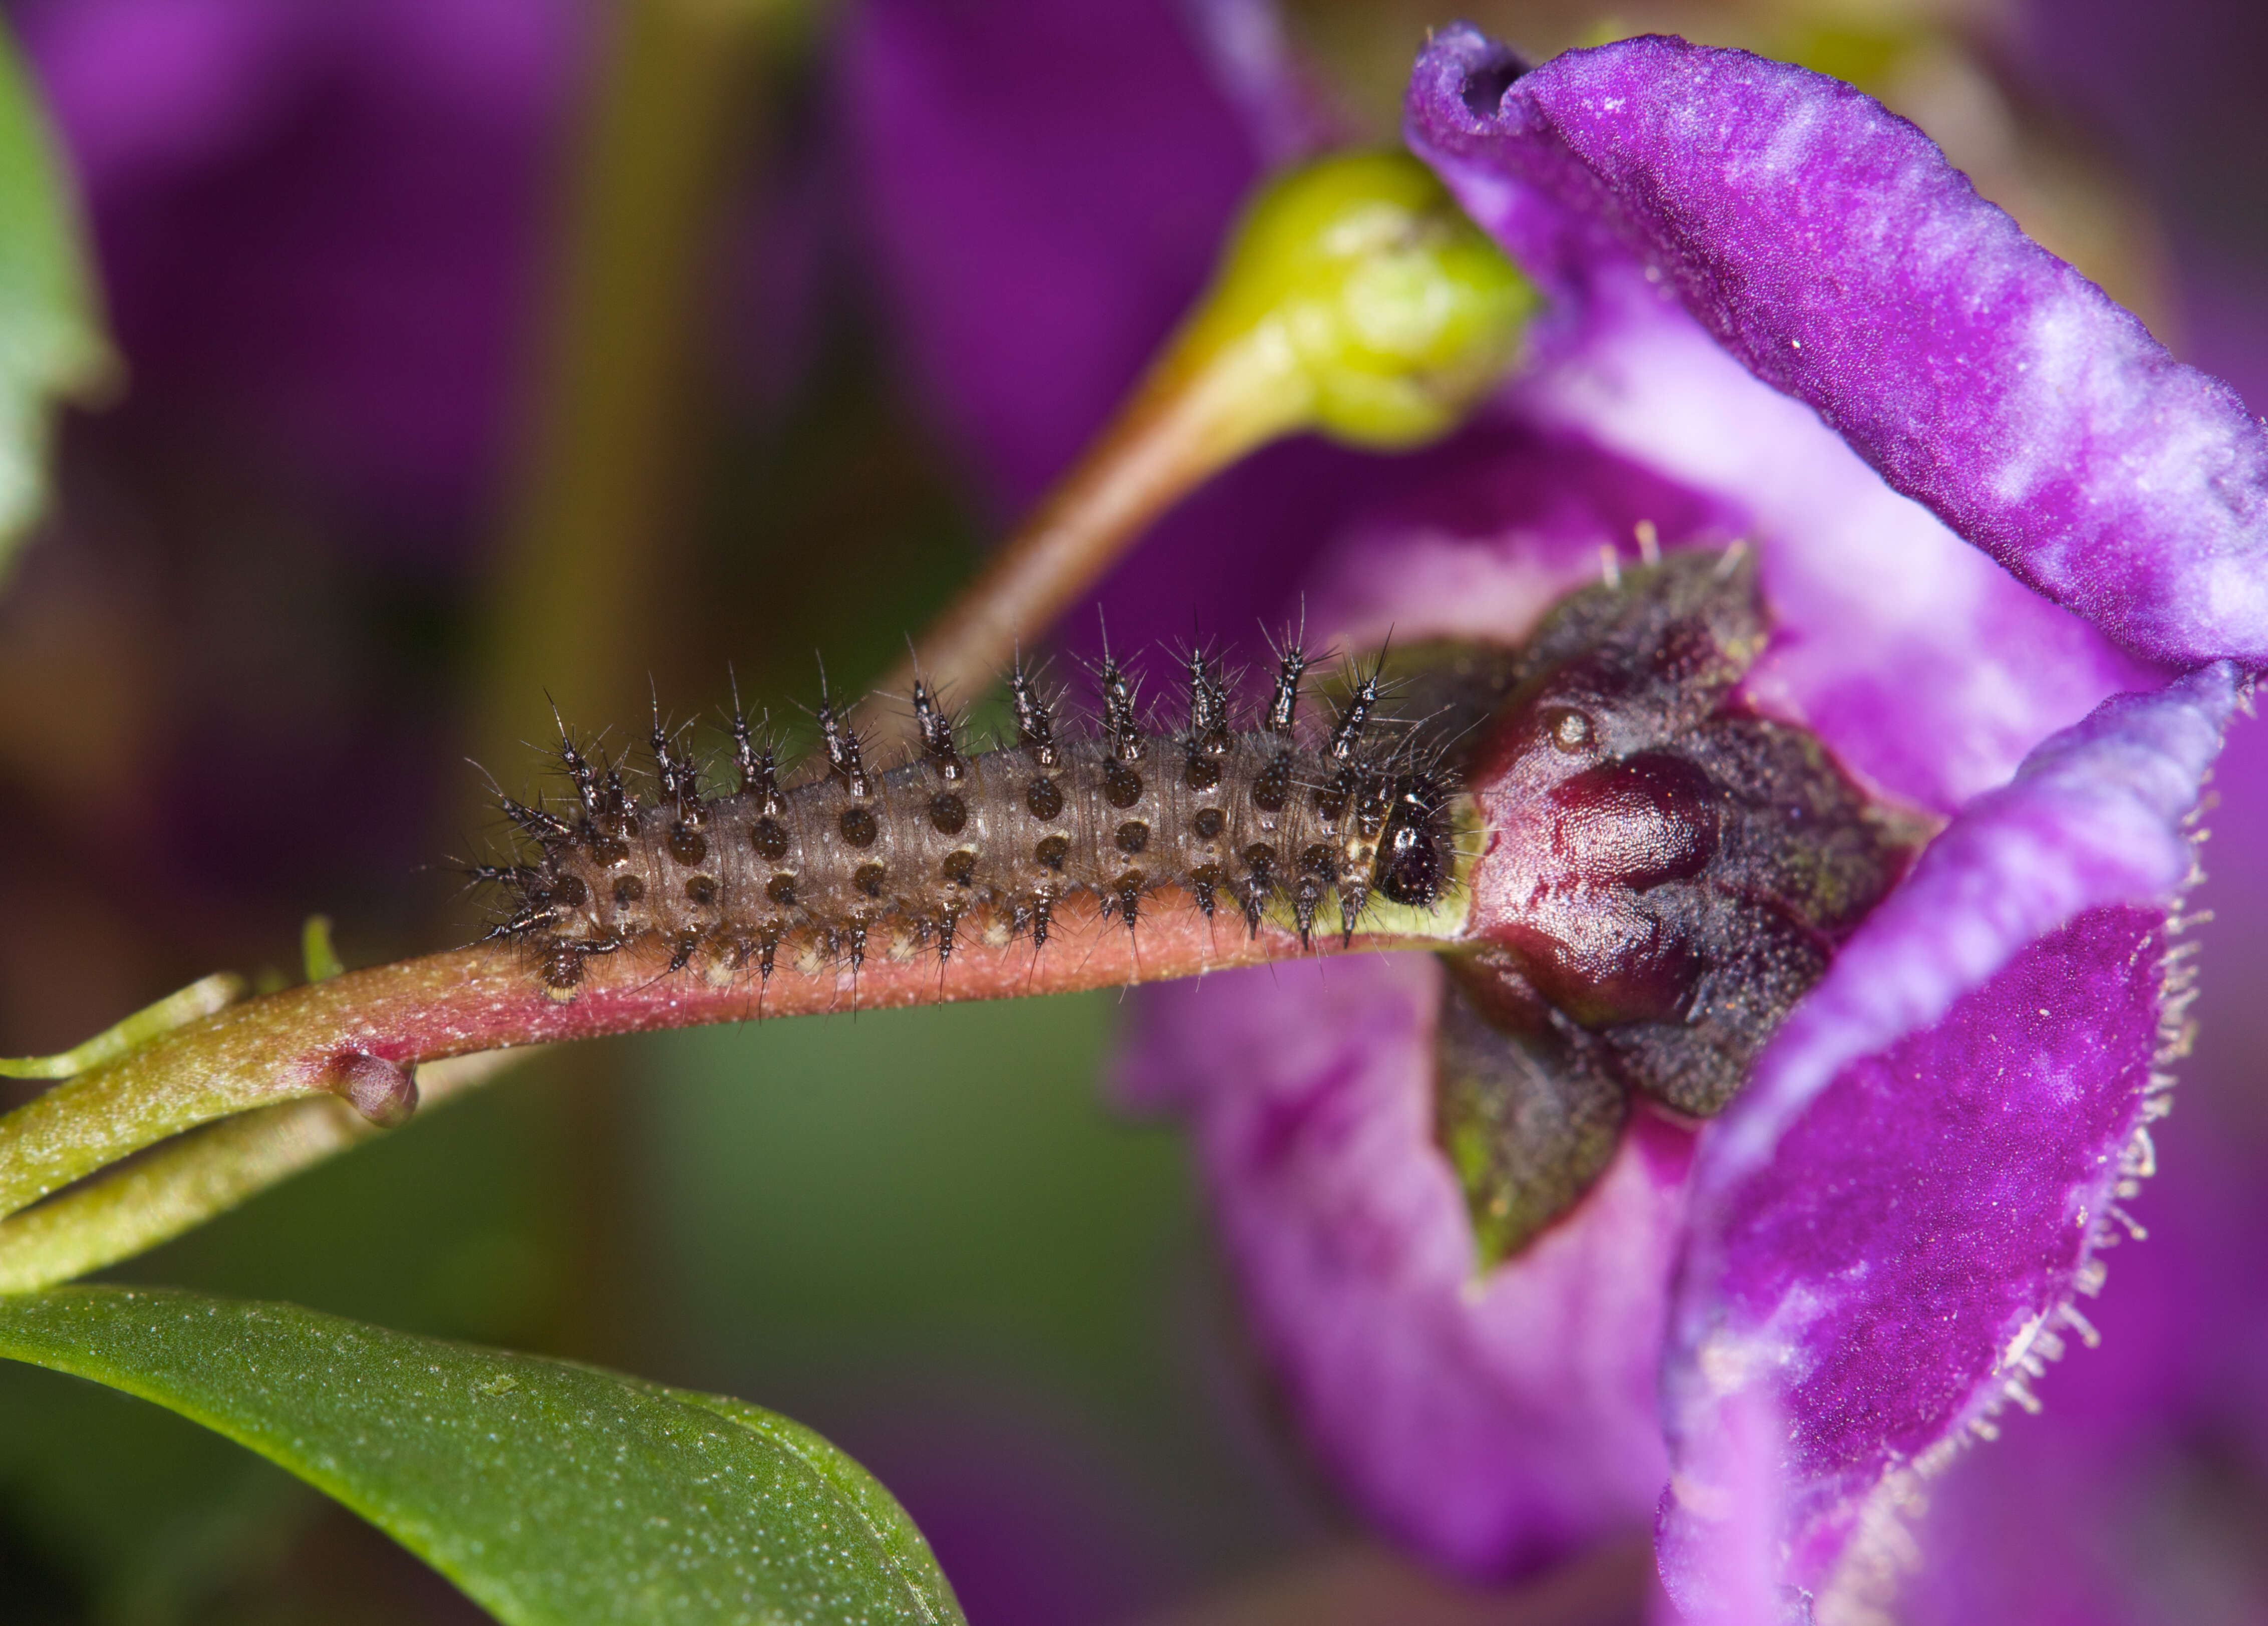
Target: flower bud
x,y
1358,299
1663,874
1355,300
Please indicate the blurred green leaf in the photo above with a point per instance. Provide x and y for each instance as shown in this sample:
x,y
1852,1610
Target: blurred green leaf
x,y
552,1493
51,340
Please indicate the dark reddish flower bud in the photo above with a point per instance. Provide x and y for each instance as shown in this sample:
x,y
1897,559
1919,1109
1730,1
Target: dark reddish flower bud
x,y
1664,874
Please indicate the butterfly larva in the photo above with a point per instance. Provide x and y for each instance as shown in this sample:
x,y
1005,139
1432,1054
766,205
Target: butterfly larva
x,y
1247,814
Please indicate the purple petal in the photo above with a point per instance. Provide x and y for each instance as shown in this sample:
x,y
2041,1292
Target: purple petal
x,y
1723,1558
1830,248
1489,530
1930,669
1890,1225
1492,1421
2093,817
2137,1498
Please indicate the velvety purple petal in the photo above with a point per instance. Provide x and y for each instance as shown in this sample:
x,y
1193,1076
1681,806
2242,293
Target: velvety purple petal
x,y
1906,1261
1491,530
2093,818
2137,1497
1890,1225
1830,248
1492,1421
2143,1489
318,225
1929,668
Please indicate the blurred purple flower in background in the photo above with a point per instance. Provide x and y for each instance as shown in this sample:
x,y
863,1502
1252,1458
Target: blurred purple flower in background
x,y
320,234
1044,189
319,226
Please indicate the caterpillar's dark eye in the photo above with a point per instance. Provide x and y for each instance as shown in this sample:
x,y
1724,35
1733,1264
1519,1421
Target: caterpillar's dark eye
x,y
1413,861
1569,729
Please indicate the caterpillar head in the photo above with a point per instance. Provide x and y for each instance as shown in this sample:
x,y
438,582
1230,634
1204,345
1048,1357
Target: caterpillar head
x,y
1414,860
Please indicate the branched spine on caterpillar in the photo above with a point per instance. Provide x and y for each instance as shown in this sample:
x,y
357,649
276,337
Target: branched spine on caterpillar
x,y
1260,815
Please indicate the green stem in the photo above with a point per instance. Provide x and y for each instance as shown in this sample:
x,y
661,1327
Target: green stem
x,y
590,542
1355,300
130,1210
201,997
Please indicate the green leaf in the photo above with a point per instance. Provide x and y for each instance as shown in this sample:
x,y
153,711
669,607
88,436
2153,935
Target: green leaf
x,y
51,340
556,1495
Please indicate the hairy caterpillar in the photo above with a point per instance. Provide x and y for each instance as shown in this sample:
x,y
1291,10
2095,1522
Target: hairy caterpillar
x,y
1256,812
1662,872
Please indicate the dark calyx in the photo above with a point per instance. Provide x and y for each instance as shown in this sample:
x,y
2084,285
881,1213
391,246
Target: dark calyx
x,y
1667,873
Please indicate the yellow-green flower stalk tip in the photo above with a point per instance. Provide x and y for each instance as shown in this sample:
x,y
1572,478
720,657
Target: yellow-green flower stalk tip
x,y
1357,300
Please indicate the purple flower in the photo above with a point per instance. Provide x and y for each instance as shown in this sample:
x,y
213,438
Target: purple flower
x,y
318,226
1887,1233
2017,555
1884,1238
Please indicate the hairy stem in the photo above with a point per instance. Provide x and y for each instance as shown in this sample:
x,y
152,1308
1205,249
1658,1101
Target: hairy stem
x,y
325,1040
1290,337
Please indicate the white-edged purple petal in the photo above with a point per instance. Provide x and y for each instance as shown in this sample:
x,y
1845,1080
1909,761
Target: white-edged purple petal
x,y
1831,249
1890,1226
1929,668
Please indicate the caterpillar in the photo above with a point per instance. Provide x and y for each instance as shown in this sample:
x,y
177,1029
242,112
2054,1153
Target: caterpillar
x,y
1254,813
1662,870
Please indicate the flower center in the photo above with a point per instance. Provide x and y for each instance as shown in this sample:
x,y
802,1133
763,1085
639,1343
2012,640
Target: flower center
x,y
1665,873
